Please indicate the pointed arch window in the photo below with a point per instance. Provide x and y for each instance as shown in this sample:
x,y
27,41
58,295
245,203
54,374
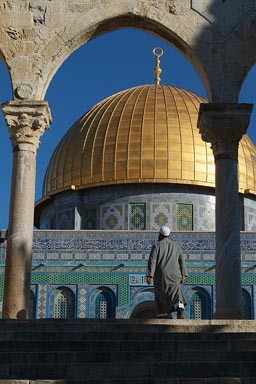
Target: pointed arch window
x,y
104,305
64,303
199,305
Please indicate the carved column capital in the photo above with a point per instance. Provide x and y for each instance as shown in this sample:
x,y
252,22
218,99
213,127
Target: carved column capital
x,y
223,125
27,121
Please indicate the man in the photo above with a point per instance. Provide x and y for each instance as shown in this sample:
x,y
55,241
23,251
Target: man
x,y
166,265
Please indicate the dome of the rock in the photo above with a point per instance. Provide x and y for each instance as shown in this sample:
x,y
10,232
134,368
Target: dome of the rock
x,y
144,137
143,134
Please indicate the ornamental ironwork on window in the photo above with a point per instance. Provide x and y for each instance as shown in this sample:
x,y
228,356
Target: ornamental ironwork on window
x,y
103,305
64,304
199,306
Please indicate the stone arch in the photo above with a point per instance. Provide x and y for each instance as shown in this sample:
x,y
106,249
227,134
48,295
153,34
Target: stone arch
x,y
247,95
6,165
84,30
142,302
8,80
245,66
7,84
217,38
191,28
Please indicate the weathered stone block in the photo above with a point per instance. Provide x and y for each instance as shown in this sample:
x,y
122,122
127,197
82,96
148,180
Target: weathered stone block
x,y
53,19
16,19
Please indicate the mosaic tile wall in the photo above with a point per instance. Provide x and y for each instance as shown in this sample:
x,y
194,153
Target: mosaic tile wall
x,y
62,212
184,217
249,215
89,218
83,290
109,208
87,260
52,292
112,217
42,301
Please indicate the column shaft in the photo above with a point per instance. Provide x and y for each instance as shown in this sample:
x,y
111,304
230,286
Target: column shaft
x,y
26,122
223,125
20,236
228,257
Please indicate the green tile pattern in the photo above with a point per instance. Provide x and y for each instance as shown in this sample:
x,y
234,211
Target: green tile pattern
x,y
81,278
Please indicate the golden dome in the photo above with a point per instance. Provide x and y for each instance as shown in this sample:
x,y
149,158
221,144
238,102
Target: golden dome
x,y
145,134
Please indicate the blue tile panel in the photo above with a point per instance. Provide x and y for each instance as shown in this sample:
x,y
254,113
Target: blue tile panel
x,y
137,216
113,207
87,259
127,240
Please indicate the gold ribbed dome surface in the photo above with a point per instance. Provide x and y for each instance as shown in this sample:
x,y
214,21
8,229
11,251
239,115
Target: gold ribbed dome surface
x,y
145,134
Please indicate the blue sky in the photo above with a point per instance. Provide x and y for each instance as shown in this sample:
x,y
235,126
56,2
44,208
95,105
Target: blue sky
x,y
107,64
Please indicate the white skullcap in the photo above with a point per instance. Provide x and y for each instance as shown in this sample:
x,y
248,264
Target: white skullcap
x,y
165,231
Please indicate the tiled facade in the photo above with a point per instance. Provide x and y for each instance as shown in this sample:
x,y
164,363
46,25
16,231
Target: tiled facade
x,y
133,207
90,257
91,274
111,208
249,215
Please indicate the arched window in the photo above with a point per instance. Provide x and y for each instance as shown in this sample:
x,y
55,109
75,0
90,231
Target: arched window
x,y
199,305
104,305
64,303
246,305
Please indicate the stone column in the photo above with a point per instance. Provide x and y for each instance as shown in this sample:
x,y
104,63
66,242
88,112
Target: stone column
x,y
27,121
223,125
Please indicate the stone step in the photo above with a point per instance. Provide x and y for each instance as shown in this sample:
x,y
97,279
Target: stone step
x,y
69,357
123,336
188,346
138,381
118,352
115,371
117,325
